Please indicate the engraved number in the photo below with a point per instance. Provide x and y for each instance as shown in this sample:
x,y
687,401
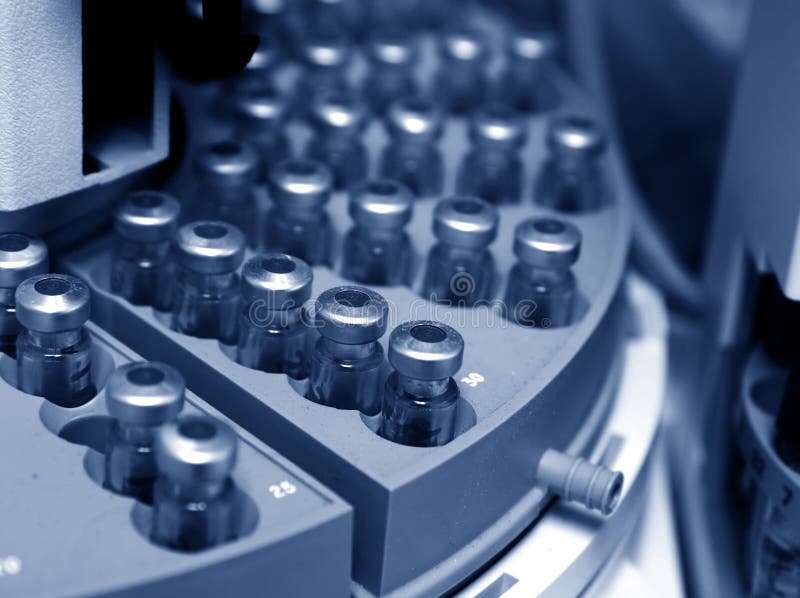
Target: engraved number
x,y
282,490
472,379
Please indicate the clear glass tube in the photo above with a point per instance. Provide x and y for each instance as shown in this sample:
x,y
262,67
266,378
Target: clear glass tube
x,y
206,305
143,273
458,276
540,297
377,257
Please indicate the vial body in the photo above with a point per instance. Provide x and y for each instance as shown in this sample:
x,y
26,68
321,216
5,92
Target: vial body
x,y
130,463
570,185
273,342
539,297
419,166
347,376
9,325
345,155
377,257
206,305
415,420
307,239
56,366
384,84
236,206
459,276
190,520
143,273
493,176
272,147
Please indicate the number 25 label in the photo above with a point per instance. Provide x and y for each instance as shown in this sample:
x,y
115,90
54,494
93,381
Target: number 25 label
x,y
282,490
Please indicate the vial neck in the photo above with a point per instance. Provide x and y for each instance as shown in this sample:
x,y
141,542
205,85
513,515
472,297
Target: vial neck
x,y
343,351
261,314
380,234
138,435
235,194
208,282
55,340
424,389
547,275
197,491
461,251
7,296
128,248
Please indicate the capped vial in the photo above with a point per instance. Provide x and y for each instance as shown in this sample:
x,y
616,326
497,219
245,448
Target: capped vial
x,y
337,16
142,268
272,335
207,287
420,402
460,267
339,119
377,249
298,223
393,57
325,59
21,256
53,349
541,286
412,156
347,363
194,503
464,54
260,115
492,169
526,83
226,174
141,397
571,179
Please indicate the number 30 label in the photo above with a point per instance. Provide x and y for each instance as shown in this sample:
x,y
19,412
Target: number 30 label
x,y
472,379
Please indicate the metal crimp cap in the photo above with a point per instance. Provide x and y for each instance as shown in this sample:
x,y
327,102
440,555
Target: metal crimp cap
x,y
351,315
532,44
547,243
210,246
145,393
52,303
464,45
326,51
282,281
195,449
577,135
498,126
426,350
21,256
339,111
227,164
300,184
465,221
416,118
381,203
147,216
393,49
260,107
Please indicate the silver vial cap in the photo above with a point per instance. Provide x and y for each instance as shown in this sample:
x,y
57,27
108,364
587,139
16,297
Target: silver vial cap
x,y
465,221
300,186
575,134
227,163
338,111
51,303
329,52
145,393
351,315
210,246
263,59
147,217
532,45
195,450
280,280
381,204
416,118
426,350
392,49
547,243
21,256
465,45
498,126
260,107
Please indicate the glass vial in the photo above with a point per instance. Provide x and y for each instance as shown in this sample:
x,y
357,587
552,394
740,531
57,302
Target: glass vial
x,y
272,334
393,57
462,78
140,397
259,72
53,349
460,269
347,362
142,268
412,156
492,169
194,503
21,256
298,223
571,179
260,115
325,59
377,249
526,83
541,286
207,288
226,173
339,120
420,401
